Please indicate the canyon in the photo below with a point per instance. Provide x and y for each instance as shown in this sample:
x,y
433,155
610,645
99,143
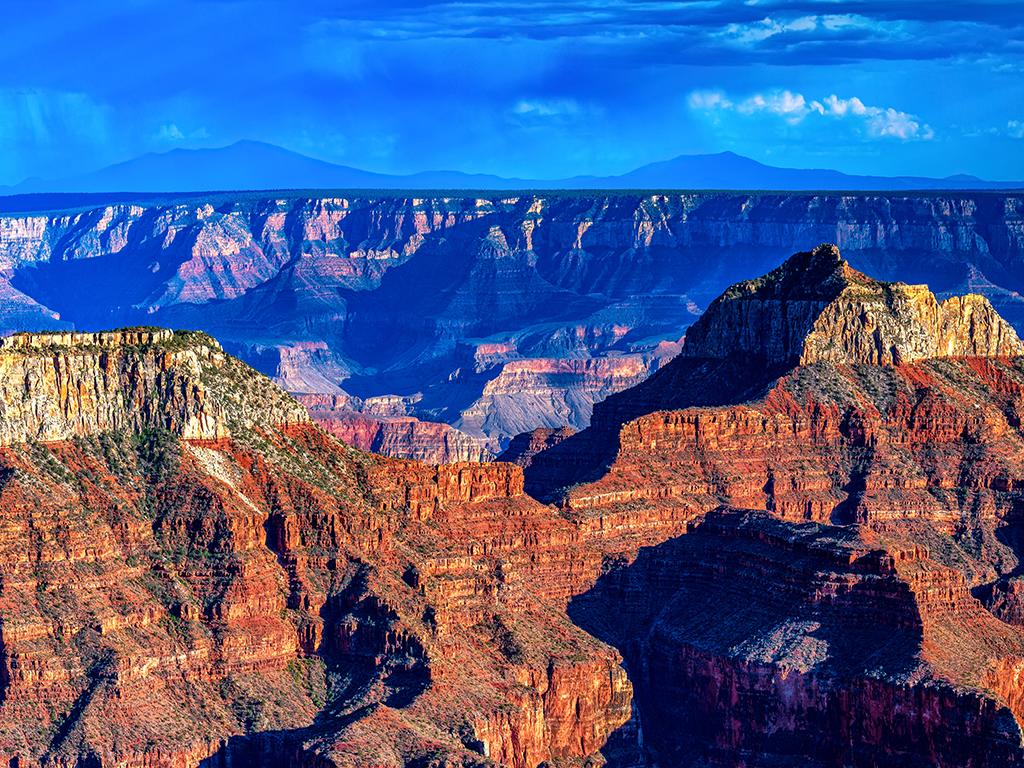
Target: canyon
x,y
493,315
195,574
797,542
815,508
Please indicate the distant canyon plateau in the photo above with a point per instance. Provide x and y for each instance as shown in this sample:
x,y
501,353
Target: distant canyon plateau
x,y
441,327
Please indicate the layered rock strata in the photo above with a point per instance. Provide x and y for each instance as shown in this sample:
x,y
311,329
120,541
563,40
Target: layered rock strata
x,y
254,592
62,385
266,595
394,435
753,642
877,432
437,296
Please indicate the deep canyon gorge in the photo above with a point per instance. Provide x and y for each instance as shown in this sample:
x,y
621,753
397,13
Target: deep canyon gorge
x,y
797,542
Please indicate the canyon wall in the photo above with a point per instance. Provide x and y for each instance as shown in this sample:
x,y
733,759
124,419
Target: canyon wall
x,y
748,563
194,574
883,490
61,385
494,315
758,643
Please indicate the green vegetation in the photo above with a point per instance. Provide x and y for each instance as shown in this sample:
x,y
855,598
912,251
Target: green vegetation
x,y
159,454
310,674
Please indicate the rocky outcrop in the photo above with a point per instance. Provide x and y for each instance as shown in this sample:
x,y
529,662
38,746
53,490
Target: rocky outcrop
x,y
273,596
400,437
888,490
522,448
63,385
810,644
259,593
549,393
815,308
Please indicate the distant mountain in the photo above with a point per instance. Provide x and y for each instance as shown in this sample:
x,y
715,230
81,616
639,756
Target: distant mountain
x,y
252,165
244,165
727,170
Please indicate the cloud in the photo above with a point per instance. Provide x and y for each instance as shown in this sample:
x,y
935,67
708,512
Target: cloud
x,y
881,121
1015,128
547,108
782,32
755,32
795,108
170,133
792,106
709,100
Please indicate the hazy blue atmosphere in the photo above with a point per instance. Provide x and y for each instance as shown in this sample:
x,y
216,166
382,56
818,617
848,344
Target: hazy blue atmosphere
x,y
541,89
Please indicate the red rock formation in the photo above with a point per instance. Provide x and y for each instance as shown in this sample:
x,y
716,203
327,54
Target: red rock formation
x,y
549,392
400,437
266,593
755,642
402,295
523,447
920,453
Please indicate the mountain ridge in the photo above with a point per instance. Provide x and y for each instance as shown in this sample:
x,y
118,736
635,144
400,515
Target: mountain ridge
x,y
493,314
255,165
812,313
830,312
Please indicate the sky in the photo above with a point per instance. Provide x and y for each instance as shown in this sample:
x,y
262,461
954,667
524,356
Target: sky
x,y
535,88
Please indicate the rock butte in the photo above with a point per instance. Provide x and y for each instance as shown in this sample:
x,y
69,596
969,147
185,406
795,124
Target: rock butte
x,y
866,610
778,550
194,573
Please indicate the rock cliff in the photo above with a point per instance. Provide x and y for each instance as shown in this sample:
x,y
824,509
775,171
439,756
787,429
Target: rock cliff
x,y
890,421
755,642
61,385
362,426
755,559
816,308
192,573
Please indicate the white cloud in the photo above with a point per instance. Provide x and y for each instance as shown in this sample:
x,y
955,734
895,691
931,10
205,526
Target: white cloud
x,y
547,107
1015,128
794,108
880,121
709,100
745,34
170,133
752,33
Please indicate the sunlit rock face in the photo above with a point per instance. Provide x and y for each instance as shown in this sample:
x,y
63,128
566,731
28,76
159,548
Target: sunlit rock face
x,y
494,315
816,308
815,510
192,574
749,563
57,386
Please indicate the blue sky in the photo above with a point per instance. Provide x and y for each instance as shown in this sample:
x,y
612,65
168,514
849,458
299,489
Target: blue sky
x,y
536,88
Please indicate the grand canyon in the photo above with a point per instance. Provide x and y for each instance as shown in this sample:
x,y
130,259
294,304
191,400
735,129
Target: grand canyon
x,y
497,384
440,328
797,542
